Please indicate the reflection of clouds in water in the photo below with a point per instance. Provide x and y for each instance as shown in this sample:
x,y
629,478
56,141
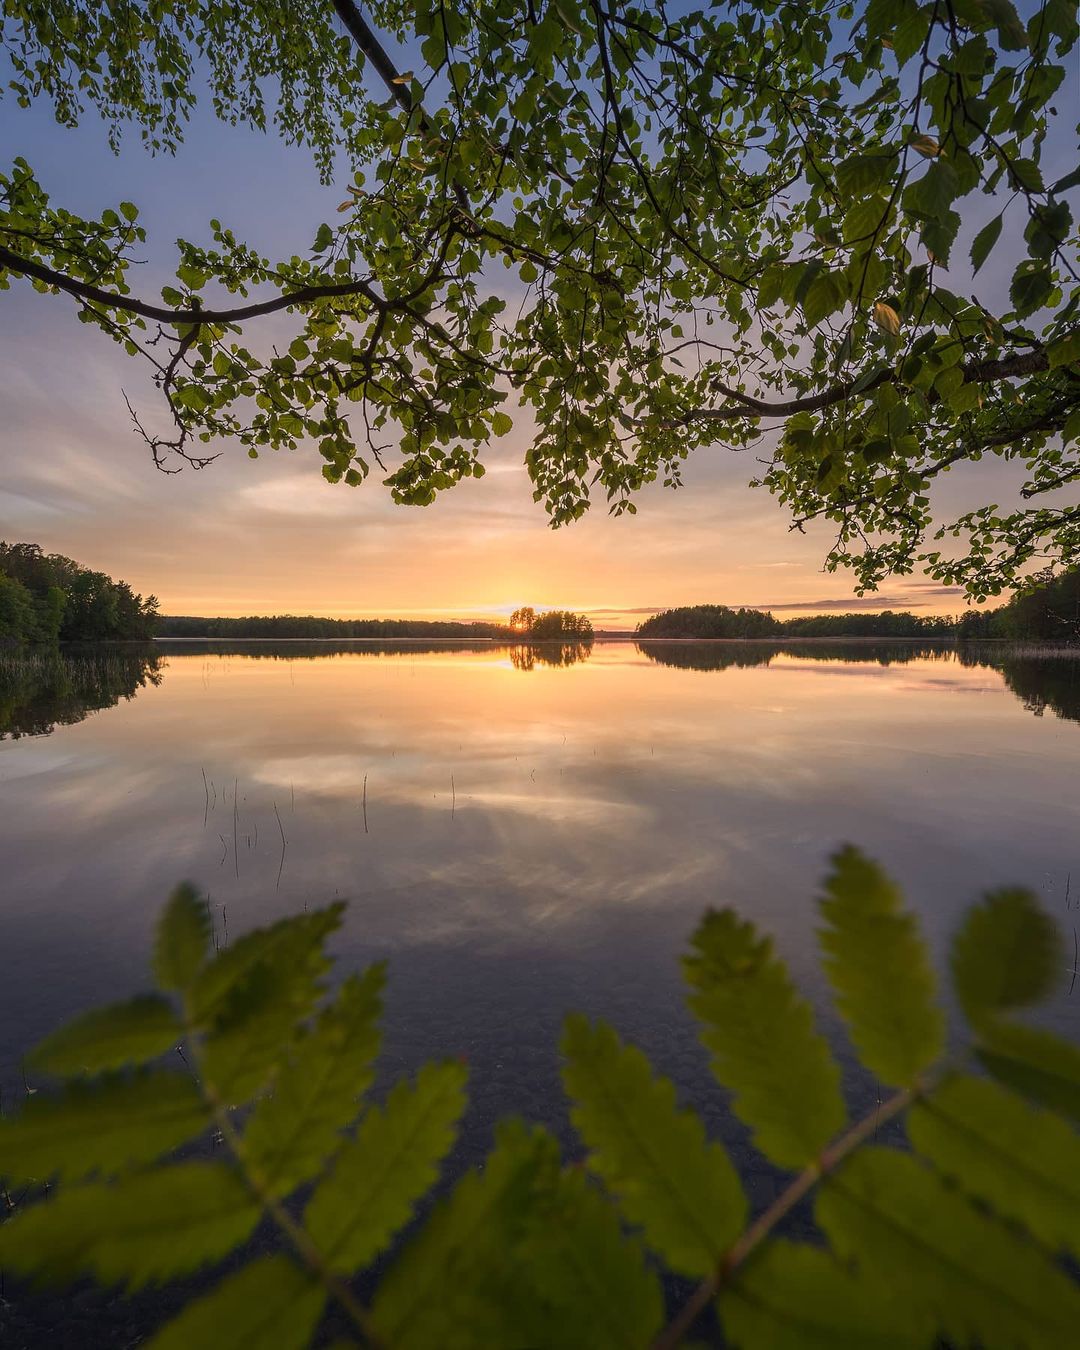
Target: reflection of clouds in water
x,y
32,759
591,813
463,899
343,776
597,807
99,792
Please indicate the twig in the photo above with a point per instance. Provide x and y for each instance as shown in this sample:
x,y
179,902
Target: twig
x,y
281,864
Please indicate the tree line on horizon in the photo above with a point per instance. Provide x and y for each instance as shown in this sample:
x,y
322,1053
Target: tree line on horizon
x,y
1047,609
311,626
45,597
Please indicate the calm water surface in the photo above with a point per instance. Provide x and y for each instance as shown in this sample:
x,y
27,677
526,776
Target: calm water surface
x,y
541,832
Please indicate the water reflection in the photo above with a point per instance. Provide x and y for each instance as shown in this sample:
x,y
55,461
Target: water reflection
x,y
40,690
529,656
1041,676
517,844
724,655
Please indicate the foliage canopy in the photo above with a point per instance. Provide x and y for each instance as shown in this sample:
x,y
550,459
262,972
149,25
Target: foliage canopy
x,y
957,1233
654,229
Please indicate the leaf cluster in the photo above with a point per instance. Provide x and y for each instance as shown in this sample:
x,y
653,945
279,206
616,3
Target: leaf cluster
x,y
648,231
959,1233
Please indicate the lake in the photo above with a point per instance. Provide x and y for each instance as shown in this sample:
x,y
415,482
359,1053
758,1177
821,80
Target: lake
x,y
519,832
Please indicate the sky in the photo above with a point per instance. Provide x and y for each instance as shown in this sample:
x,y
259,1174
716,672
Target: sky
x,y
270,535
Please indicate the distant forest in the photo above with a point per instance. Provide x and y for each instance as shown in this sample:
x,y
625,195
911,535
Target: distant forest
x,y
718,621
525,625
45,597
309,626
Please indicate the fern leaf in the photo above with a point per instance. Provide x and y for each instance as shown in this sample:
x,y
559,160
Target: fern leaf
x,y
110,1037
182,940
1034,1063
460,1282
923,1241
879,970
255,996
594,1289
140,1230
101,1126
1025,1163
763,1041
682,1191
1007,954
224,987
291,1135
791,1296
270,1302
381,1173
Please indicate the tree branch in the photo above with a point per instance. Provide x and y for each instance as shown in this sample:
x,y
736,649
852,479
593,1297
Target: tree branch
x,y
83,290
367,40
975,372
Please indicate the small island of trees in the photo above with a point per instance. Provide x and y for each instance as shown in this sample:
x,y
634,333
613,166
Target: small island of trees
x,y
1046,608
554,625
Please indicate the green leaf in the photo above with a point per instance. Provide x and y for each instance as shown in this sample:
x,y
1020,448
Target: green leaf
x,y
1034,1063
501,423
795,1297
1023,1162
1006,955
974,1278
680,1190
1065,351
984,241
223,987
291,1135
1031,287
255,996
392,1162
460,1283
908,22
862,174
143,1229
879,970
823,297
269,1302
595,1289
110,1037
763,1042
931,197
182,940
102,1125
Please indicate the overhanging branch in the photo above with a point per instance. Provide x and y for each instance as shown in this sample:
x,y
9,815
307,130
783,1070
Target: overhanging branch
x,y
975,372
83,290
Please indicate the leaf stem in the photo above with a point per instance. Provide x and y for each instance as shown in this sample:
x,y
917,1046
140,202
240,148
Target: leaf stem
x,y
784,1203
298,1236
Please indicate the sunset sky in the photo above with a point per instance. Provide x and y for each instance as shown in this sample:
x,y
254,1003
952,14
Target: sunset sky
x,y
270,536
